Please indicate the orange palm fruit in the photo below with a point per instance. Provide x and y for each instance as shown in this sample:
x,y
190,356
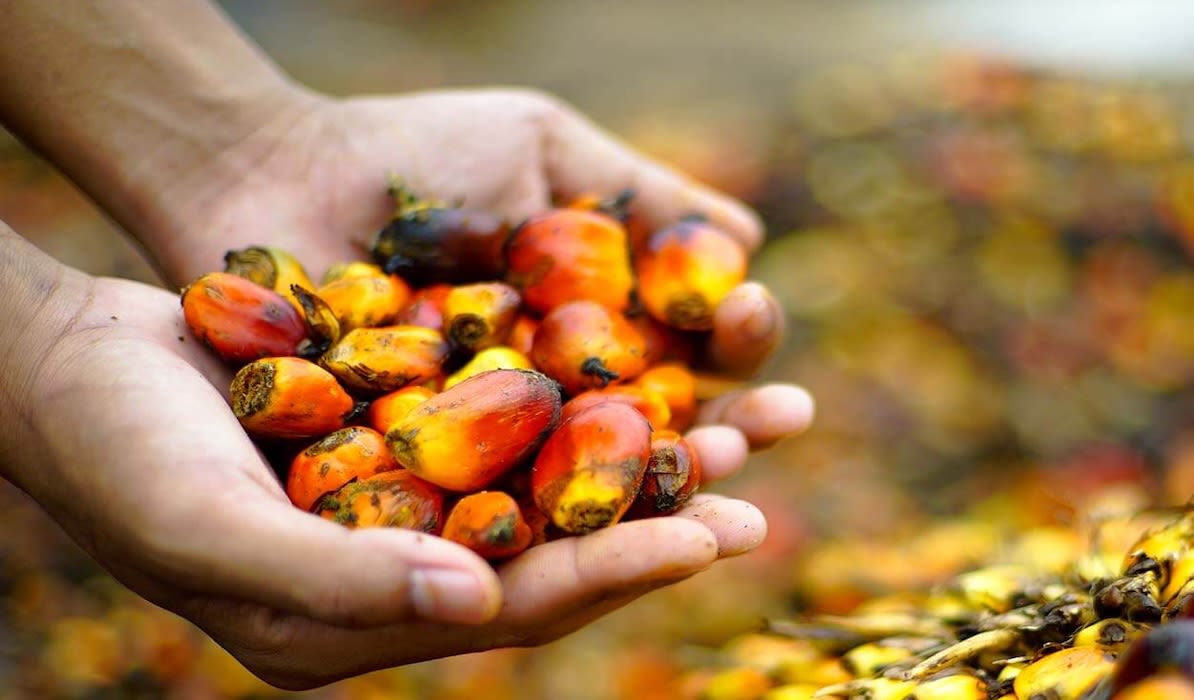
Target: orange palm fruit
x,y
1167,685
269,267
677,385
241,320
349,453
427,241
589,471
620,206
673,475
490,523
426,307
386,411
567,254
464,438
480,315
498,357
289,397
381,360
395,498
365,300
646,401
522,333
684,272
351,268
584,345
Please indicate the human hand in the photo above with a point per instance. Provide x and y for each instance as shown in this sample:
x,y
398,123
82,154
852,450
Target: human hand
x,y
214,537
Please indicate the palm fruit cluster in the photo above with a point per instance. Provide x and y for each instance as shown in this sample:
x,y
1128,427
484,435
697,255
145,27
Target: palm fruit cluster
x,y
494,385
1097,610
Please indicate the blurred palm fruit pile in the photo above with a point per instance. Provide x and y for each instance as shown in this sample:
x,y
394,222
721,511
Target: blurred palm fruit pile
x,y
491,384
986,272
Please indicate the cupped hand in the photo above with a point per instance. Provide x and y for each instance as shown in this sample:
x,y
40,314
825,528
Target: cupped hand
x,y
173,498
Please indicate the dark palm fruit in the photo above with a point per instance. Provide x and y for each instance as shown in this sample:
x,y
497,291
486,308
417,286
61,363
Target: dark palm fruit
x,y
466,437
564,255
394,498
427,242
288,397
673,475
381,360
241,320
584,345
480,315
684,272
589,471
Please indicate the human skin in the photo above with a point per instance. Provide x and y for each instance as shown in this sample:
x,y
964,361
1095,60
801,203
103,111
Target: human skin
x,y
186,135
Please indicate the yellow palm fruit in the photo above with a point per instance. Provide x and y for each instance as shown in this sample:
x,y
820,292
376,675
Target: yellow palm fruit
x,y
269,267
792,691
868,660
1009,671
961,686
1065,674
497,357
776,656
345,270
366,301
870,688
1158,548
1111,634
480,315
741,683
381,360
996,588
1181,572
969,648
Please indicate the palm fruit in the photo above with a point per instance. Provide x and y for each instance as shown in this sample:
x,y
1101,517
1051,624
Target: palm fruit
x,y
490,523
673,475
480,315
394,498
583,345
288,397
466,437
684,272
241,320
365,298
345,455
381,360
589,471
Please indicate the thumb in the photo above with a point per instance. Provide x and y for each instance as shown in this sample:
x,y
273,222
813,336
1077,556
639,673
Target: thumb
x,y
581,158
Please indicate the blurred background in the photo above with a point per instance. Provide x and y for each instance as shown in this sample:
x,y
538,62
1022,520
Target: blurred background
x,y
980,219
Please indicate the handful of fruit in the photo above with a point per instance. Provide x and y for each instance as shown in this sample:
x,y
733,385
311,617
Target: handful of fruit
x,y
494,385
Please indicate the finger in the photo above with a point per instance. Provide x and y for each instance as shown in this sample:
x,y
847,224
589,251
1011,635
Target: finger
x,y
581,158
748,328
722,450
287,559
551,590
738,526
764,414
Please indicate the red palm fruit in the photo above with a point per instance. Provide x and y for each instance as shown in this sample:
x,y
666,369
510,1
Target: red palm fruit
x,y
684,272
564,255
346,454
646,401
365,300
428,242
584,345
381,360
677,385
466,437
522,333
241,320
426,307
395,498
480,315
673,475
664,344
589,471
490,523
288,397
620,206
386,411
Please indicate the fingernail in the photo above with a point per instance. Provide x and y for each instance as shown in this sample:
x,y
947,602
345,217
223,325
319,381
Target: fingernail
x,y
450,596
